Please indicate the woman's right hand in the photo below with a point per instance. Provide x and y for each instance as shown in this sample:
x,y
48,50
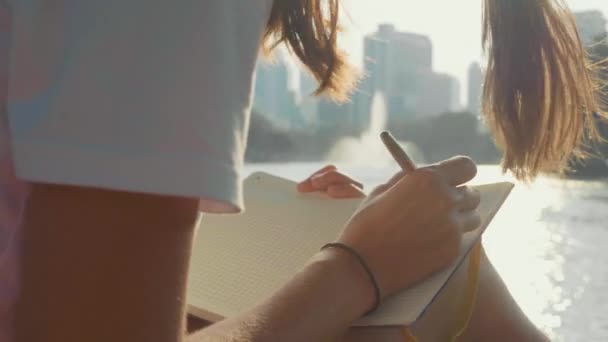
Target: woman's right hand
x,y
412,226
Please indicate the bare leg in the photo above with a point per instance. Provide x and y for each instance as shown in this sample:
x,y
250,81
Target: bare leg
x,y
496,316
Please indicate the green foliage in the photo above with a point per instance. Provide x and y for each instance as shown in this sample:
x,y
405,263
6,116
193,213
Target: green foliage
x,y
447,135
438,137
595,165
267,142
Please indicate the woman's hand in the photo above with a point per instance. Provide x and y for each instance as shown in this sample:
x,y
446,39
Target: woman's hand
x,y
332,182
412,226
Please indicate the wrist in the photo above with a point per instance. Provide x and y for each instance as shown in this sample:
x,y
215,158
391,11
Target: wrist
x,y
350,278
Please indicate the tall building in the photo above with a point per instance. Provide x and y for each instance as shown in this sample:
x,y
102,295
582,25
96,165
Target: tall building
x,y
453,94
591,25
320,112
395,62
400,65
440,94
273,96
270,83
475,88
309,104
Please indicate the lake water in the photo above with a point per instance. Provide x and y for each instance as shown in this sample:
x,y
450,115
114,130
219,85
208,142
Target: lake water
x,y
549,242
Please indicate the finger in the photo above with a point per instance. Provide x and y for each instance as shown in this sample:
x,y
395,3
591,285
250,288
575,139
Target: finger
x,y
306,185
344,191
397,177
468,221
457,170
322,181
384,187
324,169
468,198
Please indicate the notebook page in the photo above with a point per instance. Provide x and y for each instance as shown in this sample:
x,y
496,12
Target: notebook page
x,y
239,260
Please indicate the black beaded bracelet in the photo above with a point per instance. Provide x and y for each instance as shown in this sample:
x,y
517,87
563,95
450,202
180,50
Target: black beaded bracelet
x,y
366,267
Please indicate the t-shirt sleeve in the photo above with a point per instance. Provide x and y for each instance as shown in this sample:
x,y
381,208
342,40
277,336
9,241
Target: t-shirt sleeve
x,y
145,96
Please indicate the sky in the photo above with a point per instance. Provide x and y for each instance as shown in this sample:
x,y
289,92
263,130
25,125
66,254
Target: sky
x,y
454,27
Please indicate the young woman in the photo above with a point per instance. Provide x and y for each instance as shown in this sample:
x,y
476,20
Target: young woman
x,y
123,119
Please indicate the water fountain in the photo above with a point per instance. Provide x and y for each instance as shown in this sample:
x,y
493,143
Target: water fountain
x,y
368,149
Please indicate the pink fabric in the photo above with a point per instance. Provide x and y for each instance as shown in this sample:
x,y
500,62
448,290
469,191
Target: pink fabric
x,y
13,195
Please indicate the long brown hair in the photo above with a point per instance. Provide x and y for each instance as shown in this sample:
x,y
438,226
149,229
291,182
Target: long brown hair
x,y
540,93
310,29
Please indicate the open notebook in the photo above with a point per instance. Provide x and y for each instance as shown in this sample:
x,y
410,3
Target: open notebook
x,y
239,260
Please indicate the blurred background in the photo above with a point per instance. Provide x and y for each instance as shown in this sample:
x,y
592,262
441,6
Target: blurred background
x,y
423,72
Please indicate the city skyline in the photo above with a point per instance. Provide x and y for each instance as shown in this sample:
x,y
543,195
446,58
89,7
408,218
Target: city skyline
x,y
455,30
401,65
398,65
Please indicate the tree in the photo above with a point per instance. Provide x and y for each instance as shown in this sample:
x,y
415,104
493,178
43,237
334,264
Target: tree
x,y
448,135
267,142
595,164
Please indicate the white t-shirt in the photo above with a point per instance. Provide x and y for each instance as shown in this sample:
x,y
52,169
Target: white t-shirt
x,y
146,96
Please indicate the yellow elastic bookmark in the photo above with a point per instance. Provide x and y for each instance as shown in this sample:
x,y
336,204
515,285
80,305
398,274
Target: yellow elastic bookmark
x,y
468,300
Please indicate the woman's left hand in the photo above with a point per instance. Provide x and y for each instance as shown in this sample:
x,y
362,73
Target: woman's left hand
x,y
332,182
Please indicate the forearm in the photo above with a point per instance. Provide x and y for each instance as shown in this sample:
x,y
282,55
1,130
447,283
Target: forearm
x,y
318,304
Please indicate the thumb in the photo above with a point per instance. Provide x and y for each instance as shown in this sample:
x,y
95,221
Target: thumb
x,y
391,182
